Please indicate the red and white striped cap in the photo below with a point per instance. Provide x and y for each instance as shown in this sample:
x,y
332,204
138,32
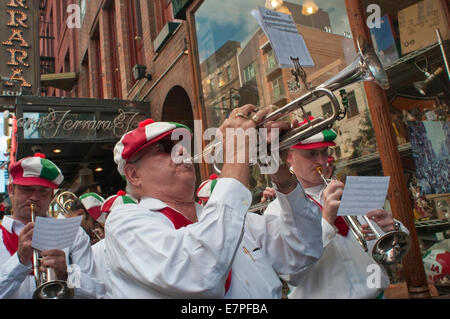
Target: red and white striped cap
x,y
93,203
146,134
121,198
36,170
321,139
206,187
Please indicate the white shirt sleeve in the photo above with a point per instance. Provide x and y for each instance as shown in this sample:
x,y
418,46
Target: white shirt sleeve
x,y
12,274
290,231
81,269
193,261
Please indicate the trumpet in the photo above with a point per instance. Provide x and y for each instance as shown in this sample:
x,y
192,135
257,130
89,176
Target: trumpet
x,y
365,67
389,248
258,207
47,284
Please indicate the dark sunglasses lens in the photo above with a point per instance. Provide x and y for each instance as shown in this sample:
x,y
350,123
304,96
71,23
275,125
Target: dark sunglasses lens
x,y
167,145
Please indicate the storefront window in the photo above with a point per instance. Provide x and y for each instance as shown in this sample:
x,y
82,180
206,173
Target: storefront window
x,y
229,37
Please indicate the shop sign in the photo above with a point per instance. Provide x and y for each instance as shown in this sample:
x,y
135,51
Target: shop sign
x,y
66,124
18,45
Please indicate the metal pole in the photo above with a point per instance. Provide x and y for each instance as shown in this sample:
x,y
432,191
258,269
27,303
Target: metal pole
x,y
390,160
444,56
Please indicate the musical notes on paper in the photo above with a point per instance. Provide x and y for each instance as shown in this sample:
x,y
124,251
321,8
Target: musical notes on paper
x,y
363,194
52,233
283,36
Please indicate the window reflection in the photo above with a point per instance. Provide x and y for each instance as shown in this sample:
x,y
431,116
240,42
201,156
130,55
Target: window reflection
x,y
238,65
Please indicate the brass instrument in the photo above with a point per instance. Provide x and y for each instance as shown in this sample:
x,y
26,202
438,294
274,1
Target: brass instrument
x,y
365,67
258,207
389,248
64,202
47,283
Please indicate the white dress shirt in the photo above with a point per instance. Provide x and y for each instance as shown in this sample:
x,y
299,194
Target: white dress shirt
x,y
101,268
152,259
16,282
343,271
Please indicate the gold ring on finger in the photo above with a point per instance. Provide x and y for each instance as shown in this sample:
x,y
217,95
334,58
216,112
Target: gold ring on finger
x,y
241,115
255,118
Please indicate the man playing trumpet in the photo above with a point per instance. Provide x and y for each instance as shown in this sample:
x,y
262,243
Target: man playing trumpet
x,y
33,180
344,268
168,246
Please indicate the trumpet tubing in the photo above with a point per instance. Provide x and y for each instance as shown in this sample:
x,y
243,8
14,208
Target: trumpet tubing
x,y
365,67
47,284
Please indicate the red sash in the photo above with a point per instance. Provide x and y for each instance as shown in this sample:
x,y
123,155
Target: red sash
x,y
339,222
178,221
11,241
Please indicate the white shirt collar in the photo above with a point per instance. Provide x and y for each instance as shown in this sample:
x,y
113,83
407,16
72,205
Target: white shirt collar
x,y
156,204
315,192
12,225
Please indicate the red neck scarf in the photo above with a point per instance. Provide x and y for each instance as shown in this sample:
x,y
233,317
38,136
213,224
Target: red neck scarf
x,y
11,241
178,221
339,222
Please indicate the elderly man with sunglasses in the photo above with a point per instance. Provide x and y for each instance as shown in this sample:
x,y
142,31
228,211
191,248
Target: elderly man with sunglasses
x,y
169,246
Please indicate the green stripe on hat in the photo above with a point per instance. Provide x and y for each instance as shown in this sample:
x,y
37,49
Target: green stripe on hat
x,y
329,135
49,170
213,184
128,200
178,125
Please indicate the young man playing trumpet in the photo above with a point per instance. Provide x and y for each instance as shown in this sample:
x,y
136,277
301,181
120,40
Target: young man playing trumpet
x,y
344,268
33,180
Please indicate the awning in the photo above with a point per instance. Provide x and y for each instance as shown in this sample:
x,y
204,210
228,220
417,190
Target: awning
x,y
64,81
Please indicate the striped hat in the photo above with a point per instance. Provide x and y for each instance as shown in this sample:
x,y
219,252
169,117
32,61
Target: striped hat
x,y
321,139
92,202
146,134
121,198
206,187
36,170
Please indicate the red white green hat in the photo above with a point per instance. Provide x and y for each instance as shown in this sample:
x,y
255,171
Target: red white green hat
x,y
206,187
321,139
146,134
121,198
36,170
93,203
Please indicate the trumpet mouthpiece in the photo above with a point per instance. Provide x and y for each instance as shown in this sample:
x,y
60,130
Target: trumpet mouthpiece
x,y
319,170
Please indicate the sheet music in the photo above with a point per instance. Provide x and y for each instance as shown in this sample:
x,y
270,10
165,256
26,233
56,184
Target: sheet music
x,y
283,36
52,233
363,194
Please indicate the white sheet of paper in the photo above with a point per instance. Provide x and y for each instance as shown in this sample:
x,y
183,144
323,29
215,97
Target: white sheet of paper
x,y
283,36
363,194
52,233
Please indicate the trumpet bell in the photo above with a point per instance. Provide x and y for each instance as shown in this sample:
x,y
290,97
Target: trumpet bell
x,y
390,248
56,289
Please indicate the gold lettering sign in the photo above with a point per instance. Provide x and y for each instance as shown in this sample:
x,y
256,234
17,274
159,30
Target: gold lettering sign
x,y
61,124
19,38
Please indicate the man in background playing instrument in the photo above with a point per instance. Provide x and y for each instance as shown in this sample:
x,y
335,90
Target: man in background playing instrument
x,y
33,180
168,246
344,268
